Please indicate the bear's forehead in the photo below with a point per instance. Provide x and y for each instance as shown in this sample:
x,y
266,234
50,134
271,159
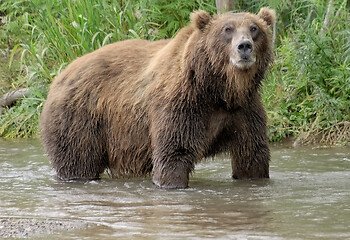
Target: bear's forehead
x,y
238,19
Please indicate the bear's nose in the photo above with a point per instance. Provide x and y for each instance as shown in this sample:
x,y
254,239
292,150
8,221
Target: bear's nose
x,y
244,47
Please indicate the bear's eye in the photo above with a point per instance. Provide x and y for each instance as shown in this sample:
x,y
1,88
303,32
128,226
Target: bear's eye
x,y
228,29
253,29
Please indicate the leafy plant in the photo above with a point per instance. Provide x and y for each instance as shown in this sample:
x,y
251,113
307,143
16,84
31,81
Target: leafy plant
x,y
311,93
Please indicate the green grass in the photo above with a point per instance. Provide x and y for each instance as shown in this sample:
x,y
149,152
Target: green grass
x,y
306,93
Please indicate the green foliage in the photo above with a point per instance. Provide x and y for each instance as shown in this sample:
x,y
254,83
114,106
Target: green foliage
x,y
308,89
22,119
15,17
169,16
64,30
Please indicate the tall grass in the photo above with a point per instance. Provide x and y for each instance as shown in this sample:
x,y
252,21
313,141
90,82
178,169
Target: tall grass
x,y
306,93
64,30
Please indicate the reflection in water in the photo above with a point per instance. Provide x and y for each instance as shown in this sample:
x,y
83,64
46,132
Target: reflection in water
x,y
307,197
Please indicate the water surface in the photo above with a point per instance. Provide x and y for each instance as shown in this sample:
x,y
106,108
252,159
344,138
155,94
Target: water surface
x,y
307,197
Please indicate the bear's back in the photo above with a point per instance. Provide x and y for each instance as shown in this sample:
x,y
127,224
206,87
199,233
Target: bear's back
x,y
114,62
112,72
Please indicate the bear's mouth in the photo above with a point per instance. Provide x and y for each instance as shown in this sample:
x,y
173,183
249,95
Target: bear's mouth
x,y
243,62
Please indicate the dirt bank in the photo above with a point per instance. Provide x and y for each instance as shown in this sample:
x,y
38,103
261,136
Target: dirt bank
x,y
22,227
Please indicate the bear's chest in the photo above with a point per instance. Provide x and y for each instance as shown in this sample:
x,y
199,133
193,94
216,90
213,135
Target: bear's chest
x,y
218,120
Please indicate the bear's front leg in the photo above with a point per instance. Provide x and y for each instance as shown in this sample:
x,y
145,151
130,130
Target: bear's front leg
x,y
253,164
178,142
172,172
250,151
175,152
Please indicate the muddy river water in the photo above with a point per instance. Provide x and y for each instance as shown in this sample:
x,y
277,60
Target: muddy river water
x,y
307,197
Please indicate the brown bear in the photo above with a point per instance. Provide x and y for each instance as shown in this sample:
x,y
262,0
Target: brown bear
x,y
137,107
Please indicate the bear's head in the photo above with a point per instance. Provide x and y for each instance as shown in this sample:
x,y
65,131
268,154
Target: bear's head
x,y
241,40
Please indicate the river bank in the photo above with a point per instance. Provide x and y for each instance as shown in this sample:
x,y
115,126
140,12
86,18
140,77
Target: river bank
x,y
29,228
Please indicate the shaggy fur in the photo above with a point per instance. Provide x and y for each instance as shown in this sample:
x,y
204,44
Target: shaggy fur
x,y
137,107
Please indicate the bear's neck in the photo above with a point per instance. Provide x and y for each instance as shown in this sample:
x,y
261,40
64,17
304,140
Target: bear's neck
x,y
231,86
240,85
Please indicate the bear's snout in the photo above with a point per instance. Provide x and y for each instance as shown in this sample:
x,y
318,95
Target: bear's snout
x,y
245,47
243,54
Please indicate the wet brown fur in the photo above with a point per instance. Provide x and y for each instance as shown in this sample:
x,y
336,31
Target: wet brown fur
x,y
137,107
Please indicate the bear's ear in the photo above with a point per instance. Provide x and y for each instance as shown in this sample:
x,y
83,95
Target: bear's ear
x,y
200,19
268,15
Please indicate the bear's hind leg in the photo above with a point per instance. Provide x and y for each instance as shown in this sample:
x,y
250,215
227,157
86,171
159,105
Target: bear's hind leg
x,y
79,164
76,149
